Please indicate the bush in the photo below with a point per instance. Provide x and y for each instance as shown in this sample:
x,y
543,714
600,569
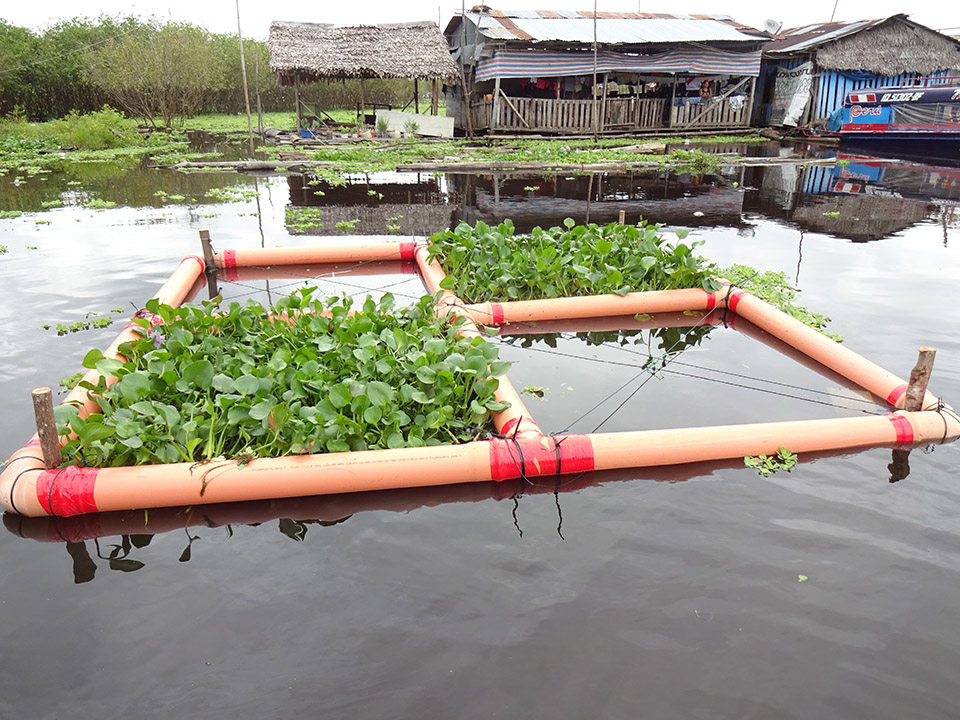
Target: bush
x,y
106,128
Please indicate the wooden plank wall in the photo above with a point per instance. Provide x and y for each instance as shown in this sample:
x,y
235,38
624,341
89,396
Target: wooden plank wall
x,y
620,114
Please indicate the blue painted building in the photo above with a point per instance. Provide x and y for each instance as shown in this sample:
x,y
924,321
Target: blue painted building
x,y
807,71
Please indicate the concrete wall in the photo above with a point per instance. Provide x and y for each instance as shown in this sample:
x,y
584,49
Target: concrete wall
x,y
428,125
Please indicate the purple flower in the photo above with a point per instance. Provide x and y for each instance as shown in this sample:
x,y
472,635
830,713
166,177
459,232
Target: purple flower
x,y
156,336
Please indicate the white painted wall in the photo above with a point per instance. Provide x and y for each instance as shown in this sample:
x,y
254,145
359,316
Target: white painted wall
x,y
428,125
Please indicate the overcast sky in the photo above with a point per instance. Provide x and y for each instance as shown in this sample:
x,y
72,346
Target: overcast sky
x,y
220,15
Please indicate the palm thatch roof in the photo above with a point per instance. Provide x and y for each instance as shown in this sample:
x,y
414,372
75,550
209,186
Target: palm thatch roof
x,y
886,46
891,49
313,52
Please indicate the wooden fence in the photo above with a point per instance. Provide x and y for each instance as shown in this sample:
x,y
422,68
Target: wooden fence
x,y
617,115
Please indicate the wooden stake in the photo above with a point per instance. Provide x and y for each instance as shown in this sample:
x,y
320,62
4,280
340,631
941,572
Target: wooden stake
x,y
919,377
208,259
623,217
47,427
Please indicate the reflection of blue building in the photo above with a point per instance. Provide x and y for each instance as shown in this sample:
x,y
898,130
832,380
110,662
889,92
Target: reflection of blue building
x,y
865,175
827,60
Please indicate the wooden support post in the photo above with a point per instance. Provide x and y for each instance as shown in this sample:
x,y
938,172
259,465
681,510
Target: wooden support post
x,y
363,106
603,104
47,427
416,96
495,119
919,377
435,98
623,217
296,90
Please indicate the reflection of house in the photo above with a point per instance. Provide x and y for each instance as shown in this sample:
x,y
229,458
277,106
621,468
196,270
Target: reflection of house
x,y
379,208
807,71
536,71
546,201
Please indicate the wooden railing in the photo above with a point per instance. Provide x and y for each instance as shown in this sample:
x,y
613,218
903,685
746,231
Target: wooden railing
x,y
711,114
617,115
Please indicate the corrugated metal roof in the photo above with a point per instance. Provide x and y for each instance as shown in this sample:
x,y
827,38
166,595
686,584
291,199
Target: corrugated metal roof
x,y
612,28
795,40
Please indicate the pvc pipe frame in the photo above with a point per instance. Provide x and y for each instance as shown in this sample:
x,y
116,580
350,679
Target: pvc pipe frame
x,y
520,451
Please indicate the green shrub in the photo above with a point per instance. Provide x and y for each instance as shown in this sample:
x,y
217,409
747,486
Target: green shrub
x,y
106,128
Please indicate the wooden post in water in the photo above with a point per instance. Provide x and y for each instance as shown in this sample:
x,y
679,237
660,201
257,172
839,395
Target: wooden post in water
x,y
919,377
210,267
46,427
208,260
623,217
916,390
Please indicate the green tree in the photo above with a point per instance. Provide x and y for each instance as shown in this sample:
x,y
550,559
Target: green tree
x,y
164,72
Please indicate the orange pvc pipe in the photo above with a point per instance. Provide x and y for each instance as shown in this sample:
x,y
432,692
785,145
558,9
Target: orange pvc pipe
x,y
317,271
333,252
38,492
652,301
835,356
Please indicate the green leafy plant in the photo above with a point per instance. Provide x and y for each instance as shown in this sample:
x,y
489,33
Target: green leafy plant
x,y
99,204
412,127
306,376
769,464
347,225
382,126
493,263
832,214
69,383
301,219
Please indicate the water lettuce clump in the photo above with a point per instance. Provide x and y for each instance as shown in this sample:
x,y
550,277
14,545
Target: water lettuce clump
x,y
307,376
493,263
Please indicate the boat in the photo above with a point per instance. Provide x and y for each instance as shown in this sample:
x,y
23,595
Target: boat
x,y
921,119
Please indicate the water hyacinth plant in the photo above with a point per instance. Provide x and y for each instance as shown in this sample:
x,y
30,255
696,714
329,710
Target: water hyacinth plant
x,y
307,376
494,263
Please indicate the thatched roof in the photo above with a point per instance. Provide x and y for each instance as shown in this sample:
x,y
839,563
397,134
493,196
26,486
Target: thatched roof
x,y
314,52
886,46
892,48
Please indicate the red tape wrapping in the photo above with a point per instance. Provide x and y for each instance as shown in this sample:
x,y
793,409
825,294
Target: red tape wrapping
x,y
33,443
509,425
734,299
67,491
903,427
898,392
406,250
229,258
203,266
539,455
496,313
711,301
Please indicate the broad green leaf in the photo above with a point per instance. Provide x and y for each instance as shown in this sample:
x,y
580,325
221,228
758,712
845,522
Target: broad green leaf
x,y
199,373
247,384
340,395
261,410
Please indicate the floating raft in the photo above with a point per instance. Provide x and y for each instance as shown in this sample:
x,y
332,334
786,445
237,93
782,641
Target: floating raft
x,y
28,488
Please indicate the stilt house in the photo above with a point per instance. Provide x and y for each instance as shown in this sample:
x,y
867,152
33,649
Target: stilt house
x,y
807,71
303,53
567,72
